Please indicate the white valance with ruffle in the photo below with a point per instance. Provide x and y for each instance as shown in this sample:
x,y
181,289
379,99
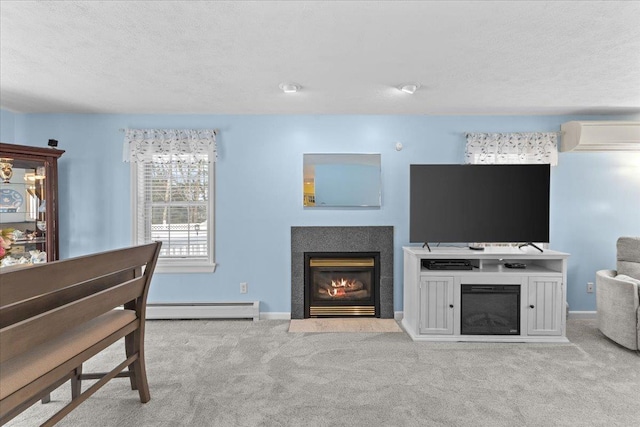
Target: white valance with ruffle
x,y
152,145
510,148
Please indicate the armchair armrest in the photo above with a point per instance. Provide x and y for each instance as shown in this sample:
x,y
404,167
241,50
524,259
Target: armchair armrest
x,y
617,303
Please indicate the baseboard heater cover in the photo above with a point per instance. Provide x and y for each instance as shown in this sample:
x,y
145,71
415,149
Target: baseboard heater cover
x,y
204,310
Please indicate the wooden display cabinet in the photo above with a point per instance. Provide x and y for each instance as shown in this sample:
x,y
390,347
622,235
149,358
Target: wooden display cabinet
x,y
29,200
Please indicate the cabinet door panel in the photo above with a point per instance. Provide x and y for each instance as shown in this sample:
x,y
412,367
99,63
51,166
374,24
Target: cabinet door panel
x,y
544,311
436,299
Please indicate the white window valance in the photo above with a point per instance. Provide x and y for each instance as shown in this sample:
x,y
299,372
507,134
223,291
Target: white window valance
x,y
509,148
153,145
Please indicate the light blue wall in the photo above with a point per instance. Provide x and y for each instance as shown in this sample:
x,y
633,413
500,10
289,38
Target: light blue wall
x,y
7,126
595,196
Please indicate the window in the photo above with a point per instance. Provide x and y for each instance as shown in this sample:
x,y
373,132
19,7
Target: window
x,y
173,185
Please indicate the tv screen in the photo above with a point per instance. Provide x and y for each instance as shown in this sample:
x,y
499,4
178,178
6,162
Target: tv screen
x,y
479,203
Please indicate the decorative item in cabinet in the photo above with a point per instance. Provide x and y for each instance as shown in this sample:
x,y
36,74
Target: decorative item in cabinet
x,y
28,204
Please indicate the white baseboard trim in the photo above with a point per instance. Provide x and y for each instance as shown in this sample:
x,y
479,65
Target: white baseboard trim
x,y
204,310
398,315
582,314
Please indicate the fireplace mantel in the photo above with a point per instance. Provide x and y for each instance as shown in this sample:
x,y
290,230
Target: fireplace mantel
x,y
342,239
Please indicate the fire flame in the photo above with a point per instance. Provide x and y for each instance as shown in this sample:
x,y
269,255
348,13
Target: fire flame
x,y
338,287
341,283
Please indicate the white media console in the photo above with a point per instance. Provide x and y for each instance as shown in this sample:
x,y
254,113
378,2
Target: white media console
x,y
433,298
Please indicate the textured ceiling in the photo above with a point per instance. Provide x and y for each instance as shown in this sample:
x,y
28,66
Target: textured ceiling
x,y
470,57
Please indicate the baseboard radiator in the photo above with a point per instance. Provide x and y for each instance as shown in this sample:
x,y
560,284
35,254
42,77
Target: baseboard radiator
x,y
204,310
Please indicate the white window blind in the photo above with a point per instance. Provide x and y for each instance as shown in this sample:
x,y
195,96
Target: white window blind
x,y
173,197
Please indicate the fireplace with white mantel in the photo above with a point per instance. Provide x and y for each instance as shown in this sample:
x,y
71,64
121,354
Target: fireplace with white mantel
x,y
342,271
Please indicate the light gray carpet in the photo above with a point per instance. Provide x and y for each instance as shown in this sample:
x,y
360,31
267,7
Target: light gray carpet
x,y
242,373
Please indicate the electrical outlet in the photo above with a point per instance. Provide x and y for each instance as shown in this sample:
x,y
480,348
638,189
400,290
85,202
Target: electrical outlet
x,y
243,287
590,287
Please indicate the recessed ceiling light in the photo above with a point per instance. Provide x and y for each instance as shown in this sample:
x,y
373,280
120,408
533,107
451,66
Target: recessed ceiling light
x,y
409,88
289,87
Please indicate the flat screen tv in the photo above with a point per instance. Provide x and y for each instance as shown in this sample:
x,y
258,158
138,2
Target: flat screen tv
x,y
479,203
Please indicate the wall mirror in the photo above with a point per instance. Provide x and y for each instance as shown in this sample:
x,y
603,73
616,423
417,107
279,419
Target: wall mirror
x,y
341,180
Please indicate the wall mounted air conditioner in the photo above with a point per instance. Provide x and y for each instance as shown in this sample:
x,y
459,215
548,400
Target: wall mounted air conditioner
x,y
600,136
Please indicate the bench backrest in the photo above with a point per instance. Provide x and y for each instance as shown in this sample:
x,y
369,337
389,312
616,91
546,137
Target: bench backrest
x,y
40,302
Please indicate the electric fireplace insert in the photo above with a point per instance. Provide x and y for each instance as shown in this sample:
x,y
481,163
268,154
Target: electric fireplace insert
x,y
490,310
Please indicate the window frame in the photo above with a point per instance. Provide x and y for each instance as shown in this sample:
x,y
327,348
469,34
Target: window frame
x,y
177,265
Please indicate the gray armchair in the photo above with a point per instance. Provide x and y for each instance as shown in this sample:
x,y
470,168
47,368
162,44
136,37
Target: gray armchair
x,y
618,295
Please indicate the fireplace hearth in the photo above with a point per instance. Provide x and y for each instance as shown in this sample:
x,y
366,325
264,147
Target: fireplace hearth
x,y
342,284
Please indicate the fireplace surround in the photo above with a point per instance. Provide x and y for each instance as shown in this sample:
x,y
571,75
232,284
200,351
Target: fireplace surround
x,y
345,240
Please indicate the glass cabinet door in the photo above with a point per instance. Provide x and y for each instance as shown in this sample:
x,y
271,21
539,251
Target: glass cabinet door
x,y
28,205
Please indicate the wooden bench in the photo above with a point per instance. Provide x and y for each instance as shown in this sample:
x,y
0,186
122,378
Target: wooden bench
x,y
55,316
